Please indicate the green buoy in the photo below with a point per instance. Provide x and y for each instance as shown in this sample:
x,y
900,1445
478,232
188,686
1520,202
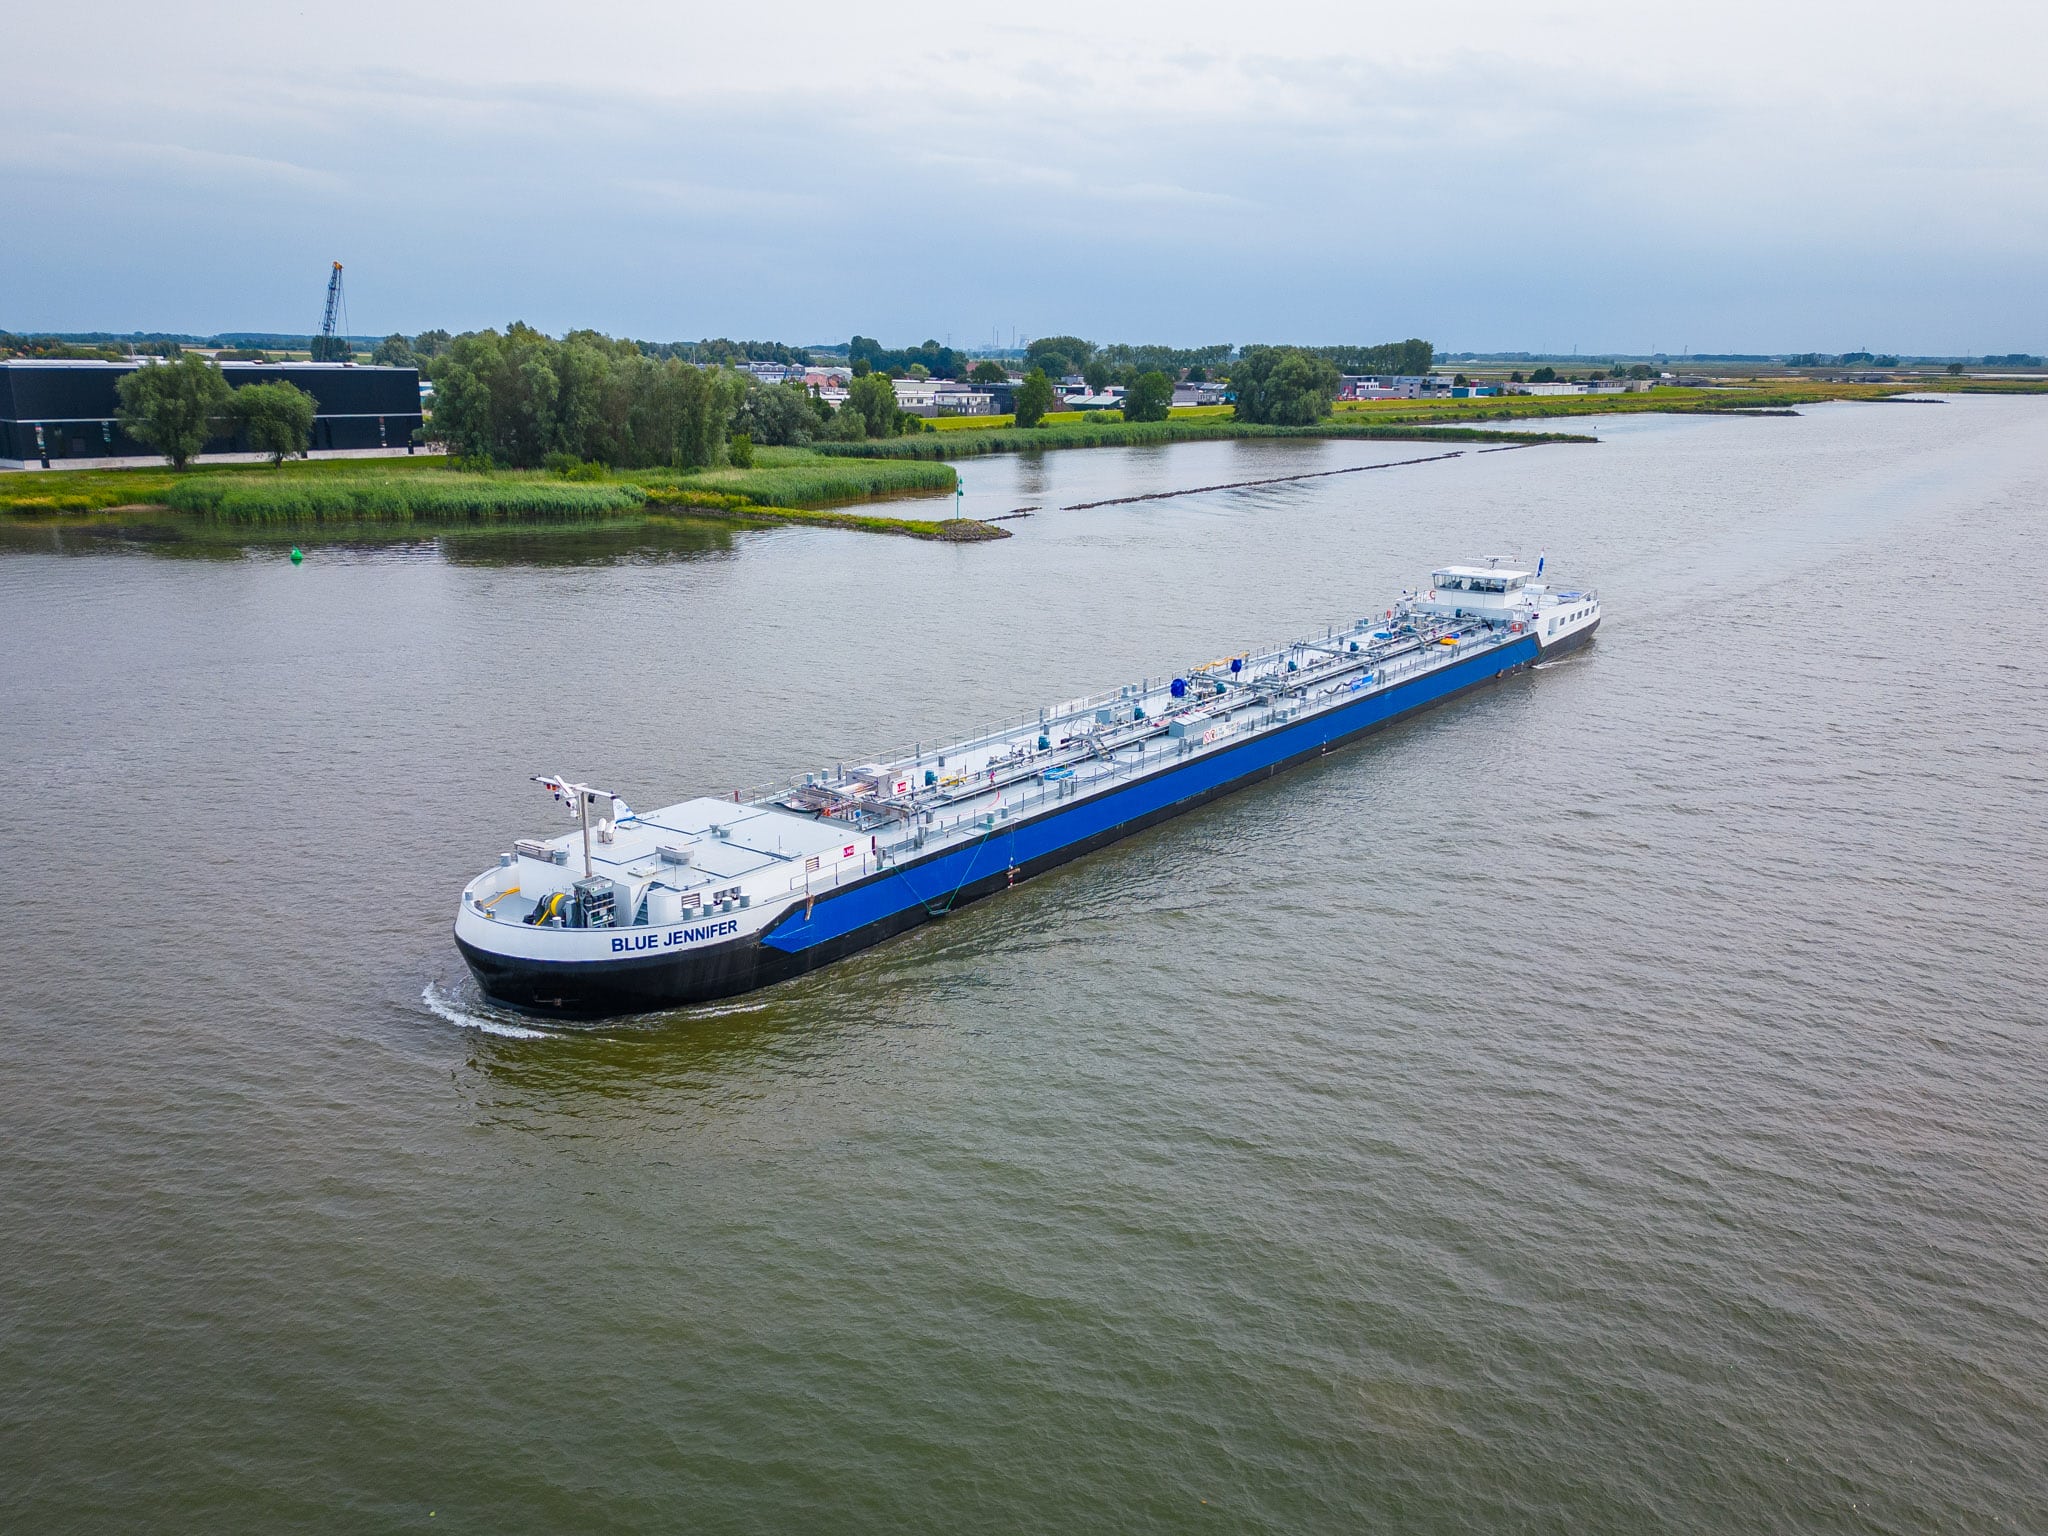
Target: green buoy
x,y
296,555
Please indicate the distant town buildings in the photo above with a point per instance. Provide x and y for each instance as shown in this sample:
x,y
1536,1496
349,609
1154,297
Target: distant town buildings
x,y
1588,387
1375,386
942,397
1074,395
775,373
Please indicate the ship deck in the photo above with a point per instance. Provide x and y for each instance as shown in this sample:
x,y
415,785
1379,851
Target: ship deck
x,y
811,834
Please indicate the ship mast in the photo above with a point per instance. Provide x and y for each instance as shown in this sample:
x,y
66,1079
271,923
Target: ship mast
x,y
584,797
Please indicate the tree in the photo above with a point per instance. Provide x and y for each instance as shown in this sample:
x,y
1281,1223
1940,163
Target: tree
x,y
990,373
395,351
1096,375
1058,356
517,398
276,418
175,406
1955,368
1460,382
1544,375
777,415
1149,398
1198,375
917,371
937,361
1034,398
1284,386
331,349
1152,357
873,398
1410,357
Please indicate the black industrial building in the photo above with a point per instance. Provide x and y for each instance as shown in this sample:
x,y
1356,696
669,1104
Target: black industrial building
x,y
52,410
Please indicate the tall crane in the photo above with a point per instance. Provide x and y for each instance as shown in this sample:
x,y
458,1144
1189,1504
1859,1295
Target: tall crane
x,y
326,348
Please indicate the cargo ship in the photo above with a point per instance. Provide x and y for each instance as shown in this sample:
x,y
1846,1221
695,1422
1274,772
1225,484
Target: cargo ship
x,y
633,912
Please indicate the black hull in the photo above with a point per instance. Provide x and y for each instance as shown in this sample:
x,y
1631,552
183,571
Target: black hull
x,y
1572,642
602,989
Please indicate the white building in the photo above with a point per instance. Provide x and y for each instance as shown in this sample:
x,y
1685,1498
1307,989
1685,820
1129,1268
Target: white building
x,y
1376,386
772,373
942,397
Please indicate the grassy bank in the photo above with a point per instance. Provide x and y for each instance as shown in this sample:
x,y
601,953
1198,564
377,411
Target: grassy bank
x,y
962,445
699,501
1764,395
161,531
1544,407
62,491
798,477
416,498
426,489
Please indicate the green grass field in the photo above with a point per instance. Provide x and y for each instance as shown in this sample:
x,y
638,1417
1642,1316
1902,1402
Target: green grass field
x,y
799,477
1070,418
1777,394
964,445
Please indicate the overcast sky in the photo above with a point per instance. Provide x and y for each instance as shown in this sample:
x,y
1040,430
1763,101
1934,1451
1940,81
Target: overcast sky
x,y
1724,177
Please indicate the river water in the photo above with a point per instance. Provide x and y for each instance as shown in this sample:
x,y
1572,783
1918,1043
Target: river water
x,y
1610,1103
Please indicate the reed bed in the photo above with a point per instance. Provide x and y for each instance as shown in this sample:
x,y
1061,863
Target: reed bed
x,y
441,498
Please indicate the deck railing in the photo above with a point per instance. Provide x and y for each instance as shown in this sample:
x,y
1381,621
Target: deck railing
x,y
985,820
929,830
1262,666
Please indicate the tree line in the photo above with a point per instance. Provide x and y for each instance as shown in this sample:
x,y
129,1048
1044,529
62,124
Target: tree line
x,y
426,350
867,355
1410,358
524,399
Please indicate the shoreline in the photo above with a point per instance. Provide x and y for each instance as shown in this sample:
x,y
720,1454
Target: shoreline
x,y
822,484
813,487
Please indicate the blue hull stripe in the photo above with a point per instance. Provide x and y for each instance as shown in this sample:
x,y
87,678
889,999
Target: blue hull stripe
x,y
932,884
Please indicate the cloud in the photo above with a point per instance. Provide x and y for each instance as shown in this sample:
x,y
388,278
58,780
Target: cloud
x,y
1180,172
